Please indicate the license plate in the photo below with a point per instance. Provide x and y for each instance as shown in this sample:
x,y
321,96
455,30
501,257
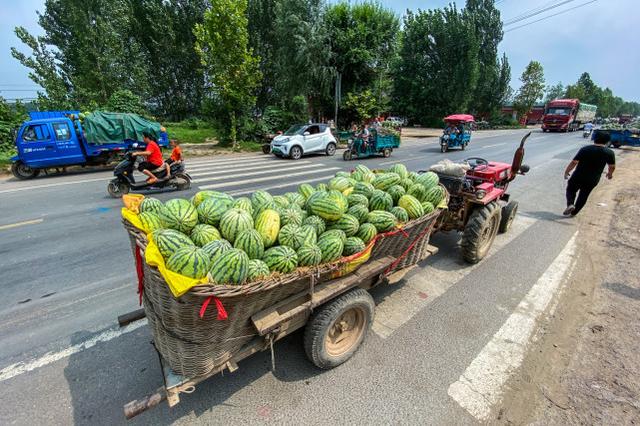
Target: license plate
x,y
276,149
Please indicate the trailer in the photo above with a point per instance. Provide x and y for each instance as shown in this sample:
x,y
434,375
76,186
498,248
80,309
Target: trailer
x,y
618,138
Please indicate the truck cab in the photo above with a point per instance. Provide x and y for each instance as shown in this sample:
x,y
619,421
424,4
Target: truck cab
x,y
559,115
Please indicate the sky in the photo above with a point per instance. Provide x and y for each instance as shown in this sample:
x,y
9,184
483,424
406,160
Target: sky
x,y
600,38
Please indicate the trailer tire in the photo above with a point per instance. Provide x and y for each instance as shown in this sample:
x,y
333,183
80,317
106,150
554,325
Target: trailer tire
x,y
336,330
22,171
479,232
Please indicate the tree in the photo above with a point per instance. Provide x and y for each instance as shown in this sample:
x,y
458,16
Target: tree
x,y
125,101
532,88
362,104
231,69
554,92
263,40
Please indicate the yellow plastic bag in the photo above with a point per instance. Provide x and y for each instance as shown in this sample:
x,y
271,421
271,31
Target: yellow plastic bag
x,y
354,262
133,218
132,201
178,284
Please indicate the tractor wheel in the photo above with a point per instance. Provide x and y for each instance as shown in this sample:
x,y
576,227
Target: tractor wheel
x,y
508,214
480,231
335,331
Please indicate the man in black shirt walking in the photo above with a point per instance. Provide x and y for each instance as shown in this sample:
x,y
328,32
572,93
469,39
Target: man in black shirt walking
x,y
589,163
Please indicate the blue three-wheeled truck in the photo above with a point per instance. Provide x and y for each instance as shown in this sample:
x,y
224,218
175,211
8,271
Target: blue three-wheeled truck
x,y
57,139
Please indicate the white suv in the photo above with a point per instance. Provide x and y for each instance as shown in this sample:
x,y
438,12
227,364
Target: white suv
x,y
303,139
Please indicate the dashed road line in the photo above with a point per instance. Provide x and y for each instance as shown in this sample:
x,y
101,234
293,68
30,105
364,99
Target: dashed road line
x,y
265,179
17,224
282,172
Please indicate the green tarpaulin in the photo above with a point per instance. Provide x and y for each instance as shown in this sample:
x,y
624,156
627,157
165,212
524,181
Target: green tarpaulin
x,y
113,127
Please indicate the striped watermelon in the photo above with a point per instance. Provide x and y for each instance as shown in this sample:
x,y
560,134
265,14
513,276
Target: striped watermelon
x,y
400,170
418,191
342,174
230,267
309,255
428,179
326,207
150,221
259,199
385,181
396,191
202,234
407,183
316,222
339,183
291,235
331,248
353,245
281,259
412,205
210,211
199,197
225,199
269,205
250,242
189,261
243,203
151,205
435,195
233,222
362,169
170,240
363,188
268,225
332,233
348,192
339,198
318,195
281,201
257,270
321,187
383,221
400,214
291,215
295,199
306,190
360,212
380,200
367,232
428,207
179,214
347,223
309,234
354,199
214,248
368,177
413,176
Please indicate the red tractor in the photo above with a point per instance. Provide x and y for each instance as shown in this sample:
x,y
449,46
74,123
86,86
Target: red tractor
x,y
479,205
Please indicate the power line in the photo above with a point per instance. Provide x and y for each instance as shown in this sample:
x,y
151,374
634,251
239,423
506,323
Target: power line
x,y
535,12
551,16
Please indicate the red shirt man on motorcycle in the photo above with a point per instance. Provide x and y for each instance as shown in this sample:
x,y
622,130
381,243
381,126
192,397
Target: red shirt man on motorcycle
x,y
153,157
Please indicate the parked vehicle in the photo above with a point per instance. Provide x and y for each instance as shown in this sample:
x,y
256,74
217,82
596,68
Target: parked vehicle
x,y
567,115
618,138
397,121
53,139
378,143
461,136
303,139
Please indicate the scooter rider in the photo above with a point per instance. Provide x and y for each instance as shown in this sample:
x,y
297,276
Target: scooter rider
x,y
153,157
588,127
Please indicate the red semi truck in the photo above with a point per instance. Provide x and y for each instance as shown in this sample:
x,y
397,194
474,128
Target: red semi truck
x,y
567,115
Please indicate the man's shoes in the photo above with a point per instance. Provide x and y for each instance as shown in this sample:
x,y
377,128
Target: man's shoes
x,y
569,210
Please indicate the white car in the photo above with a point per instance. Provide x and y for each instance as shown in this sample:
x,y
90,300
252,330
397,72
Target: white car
x,y
397,121
303,139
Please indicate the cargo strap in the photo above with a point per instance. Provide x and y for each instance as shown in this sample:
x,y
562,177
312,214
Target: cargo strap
x,y
404,254
222,312
140,272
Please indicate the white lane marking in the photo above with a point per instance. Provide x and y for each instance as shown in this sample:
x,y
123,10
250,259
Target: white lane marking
x,y
494,145
223,170
408,159
19,368
229,164
222,160
264,179
17,224
284,185
480,387
49,185
282,172
431,282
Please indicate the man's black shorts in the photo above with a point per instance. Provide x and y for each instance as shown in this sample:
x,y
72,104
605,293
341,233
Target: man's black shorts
x,y
145,165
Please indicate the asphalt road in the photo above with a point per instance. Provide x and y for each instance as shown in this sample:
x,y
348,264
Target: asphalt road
x,y
66,273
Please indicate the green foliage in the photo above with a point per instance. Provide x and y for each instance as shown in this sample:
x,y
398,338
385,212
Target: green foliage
x,y
532,87
608,104
11,116
554,92
363,104
124,100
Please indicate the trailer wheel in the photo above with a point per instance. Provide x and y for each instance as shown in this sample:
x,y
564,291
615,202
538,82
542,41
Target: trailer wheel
x,y
508,214
334,333
22,171
480,231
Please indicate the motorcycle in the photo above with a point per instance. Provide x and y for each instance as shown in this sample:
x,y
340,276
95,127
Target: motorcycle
x,y
586,133
125,182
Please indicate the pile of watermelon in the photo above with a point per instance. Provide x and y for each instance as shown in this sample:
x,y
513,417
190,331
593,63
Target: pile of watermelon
x,y
237,241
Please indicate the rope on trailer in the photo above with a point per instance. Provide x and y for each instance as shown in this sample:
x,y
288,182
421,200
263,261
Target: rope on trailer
x,y
273,358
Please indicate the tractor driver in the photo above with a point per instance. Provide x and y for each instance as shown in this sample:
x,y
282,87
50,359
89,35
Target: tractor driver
x,y
153,157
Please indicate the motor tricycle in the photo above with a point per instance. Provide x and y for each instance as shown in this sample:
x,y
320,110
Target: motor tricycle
x,y
457,133
380,142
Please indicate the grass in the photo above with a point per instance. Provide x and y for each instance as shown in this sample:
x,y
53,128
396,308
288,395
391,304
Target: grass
x,y
202,133
5,161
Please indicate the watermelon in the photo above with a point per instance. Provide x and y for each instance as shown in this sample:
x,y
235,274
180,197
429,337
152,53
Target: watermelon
x,y
352,246
348,191
309,255
316,222
331,248
211,210
191,261
199,197
384,181
357,176
406,183
170,240
412,206
281,259
400,214
230,267
268,205
243,203
354,199
309,234
151,205
339,183
334,233
368,177
413,176
360,212
295,199
400,170
225,199
233,222
259,199
291,215
306,190
321,187
383,221
291,235
257,270
268,225
326,207
363,188
347,223
428,179
342,174
179,214
418,191
203,234
367,232
380,200
396,191
281,201
428,207
216,247
435,195
362,169
340,199
150,221
250,242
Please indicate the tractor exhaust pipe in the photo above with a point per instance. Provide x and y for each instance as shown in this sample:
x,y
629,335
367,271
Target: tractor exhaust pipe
x,y
516,165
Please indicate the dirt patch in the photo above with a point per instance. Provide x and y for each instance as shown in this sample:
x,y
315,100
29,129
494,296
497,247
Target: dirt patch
x,y
585,367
